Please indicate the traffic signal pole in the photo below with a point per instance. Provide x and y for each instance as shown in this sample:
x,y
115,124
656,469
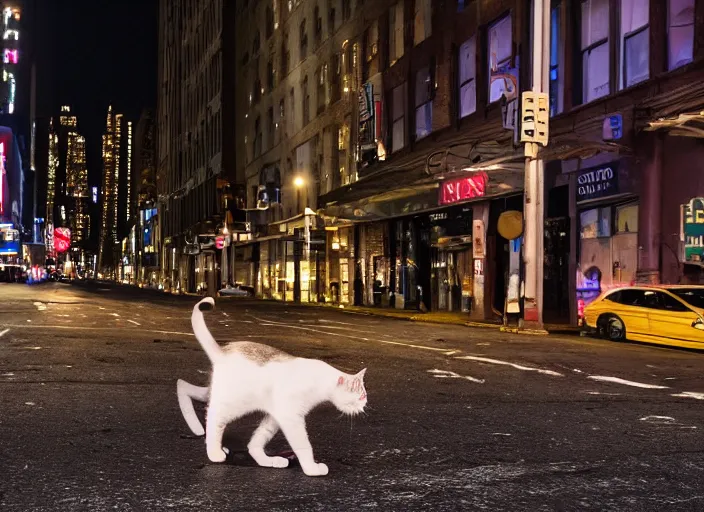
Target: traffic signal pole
x,y
534,133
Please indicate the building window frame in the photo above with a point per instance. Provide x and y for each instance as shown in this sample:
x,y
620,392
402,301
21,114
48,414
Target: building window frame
x,y
398,117
588,47
637,37
423,94
422,20
467,81
685,24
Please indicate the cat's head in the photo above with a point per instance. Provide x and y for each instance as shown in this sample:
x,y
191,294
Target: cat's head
x,y
350,395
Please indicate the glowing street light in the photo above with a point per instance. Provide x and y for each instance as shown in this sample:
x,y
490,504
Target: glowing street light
x,y
298,183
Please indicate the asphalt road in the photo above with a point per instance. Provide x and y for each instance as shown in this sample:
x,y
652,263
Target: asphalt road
x,y
459,418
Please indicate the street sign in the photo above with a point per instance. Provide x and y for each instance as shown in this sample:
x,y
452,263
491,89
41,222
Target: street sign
x,y
535,114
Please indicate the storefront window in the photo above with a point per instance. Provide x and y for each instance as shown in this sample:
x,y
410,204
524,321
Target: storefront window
x,y
627,219
595,223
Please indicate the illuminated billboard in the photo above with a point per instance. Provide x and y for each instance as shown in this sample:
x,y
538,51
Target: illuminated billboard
x,y
62,239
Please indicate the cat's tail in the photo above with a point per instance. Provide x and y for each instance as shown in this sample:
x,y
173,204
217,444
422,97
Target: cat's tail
x,y
206,340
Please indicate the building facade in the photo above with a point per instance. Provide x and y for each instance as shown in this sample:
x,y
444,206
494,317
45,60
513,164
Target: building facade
x,y
372,137
381,150
117,157
196,172
52,168
75,189
147,232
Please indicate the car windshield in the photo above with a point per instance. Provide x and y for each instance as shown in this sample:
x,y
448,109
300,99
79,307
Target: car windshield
x,y
692,296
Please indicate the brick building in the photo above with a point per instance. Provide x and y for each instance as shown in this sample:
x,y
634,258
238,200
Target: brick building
x,y
196,171
379,147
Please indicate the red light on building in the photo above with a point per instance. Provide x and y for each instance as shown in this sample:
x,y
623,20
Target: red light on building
x,y
219,242
462,189
11,56
62,239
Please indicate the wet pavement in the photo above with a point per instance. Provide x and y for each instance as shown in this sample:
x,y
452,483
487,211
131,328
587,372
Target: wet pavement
x,y
458,418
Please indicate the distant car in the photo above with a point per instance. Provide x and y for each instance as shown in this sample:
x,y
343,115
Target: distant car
x,y
235,291
667,315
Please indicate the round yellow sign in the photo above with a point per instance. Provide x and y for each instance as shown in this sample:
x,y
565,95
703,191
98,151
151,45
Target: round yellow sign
x,y
510,225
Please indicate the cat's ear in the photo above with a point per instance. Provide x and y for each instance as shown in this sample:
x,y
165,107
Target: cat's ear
x,y
360,375
340,380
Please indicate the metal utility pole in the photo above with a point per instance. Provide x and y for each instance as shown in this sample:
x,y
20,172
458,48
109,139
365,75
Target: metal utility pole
x,y
534,132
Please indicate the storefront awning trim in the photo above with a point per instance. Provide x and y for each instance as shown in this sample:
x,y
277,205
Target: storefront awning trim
x,y
684,125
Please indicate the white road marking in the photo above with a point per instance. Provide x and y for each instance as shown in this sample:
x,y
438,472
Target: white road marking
x,y
512,365
422,347
500,434
133,322
322,320
9,374
29,403
114,314
40,306
452,352
446,374
32,348
690,394
631,383
605,394
3,333
85,328
658,419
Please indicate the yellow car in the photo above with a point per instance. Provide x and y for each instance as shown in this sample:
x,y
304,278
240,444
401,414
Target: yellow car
x,y
668,315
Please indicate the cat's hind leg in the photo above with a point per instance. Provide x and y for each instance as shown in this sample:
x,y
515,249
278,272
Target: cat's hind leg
x,y
186,394
266,430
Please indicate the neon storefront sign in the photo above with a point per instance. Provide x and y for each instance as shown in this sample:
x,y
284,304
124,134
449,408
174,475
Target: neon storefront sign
x,y
2,174
465,188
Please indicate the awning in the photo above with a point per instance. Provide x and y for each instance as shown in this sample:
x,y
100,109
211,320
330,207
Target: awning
x,y
568,148
684,125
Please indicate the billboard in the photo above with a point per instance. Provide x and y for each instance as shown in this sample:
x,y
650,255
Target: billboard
x,y
62,239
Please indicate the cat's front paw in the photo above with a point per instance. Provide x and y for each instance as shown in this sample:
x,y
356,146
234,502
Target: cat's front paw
x,y
217,455
279,462
318,469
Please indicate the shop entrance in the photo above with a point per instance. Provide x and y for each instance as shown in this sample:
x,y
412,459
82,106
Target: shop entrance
x,y
608,249
452,284
556,244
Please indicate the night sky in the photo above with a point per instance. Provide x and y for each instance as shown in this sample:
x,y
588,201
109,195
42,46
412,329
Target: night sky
x,y
106,52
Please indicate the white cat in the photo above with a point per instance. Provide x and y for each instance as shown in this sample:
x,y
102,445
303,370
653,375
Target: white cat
x,y
249,377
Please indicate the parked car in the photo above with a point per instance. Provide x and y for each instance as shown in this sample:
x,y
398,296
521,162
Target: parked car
x,y
667,315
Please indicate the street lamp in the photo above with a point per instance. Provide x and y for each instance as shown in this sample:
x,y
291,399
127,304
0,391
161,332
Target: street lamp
x,y
298,183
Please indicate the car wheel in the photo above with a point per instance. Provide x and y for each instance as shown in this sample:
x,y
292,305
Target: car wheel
x,y
612,328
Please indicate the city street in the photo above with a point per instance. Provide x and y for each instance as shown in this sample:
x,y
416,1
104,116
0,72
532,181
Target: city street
x,y
458,418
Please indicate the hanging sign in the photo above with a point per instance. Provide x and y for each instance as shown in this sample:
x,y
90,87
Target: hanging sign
x,y
597,182
462,189
478,237
693,230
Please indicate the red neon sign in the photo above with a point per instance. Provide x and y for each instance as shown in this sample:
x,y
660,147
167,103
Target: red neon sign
x,y
62,239
2,172
219,242
462,189
11,56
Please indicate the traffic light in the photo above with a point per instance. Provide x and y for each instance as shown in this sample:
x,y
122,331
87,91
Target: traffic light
x,y
535,115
